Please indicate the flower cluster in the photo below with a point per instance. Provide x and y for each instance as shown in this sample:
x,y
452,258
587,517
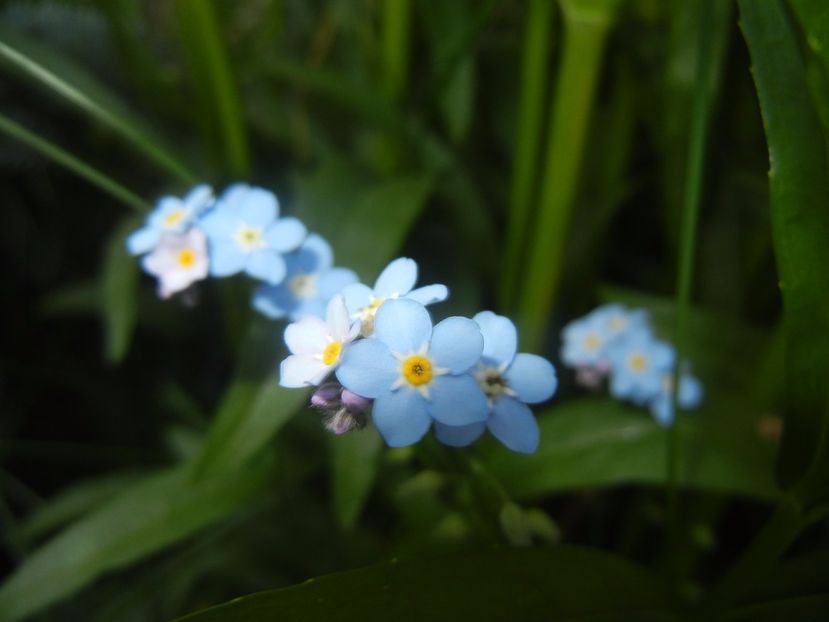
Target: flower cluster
x,y
460,376
618,344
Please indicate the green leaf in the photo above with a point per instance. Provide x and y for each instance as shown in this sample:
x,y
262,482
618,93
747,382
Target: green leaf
x,y
143,519
354,462
119,286
565,582
72,83
800,227
597,442
801,608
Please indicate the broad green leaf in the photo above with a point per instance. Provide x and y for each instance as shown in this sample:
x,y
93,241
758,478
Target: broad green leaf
x,y
799,187
600,442
354,461
813,17
561,583
71,82
145,518
119,292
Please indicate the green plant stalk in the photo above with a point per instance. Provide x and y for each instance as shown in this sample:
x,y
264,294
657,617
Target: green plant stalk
x,y
586,25
70,162
97,112
534,68
700,114
395,37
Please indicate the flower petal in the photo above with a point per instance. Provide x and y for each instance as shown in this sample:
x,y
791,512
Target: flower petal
x,y
307,336
300,370
143,240
258,207
367,368
356,296
456,344
457,400
429,294
274,302
403,325
317,245
226,258
500,337
401,417
286,234
266,265
533,378
513,423
198,198
331,282
337,318
662,409
459,435
397,278
219,223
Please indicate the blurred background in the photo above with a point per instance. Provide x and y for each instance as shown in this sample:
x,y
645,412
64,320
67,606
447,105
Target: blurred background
x,y
533,156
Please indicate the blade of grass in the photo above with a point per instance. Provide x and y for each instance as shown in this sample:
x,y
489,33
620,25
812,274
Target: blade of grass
x,y
74,85
58,155
119,292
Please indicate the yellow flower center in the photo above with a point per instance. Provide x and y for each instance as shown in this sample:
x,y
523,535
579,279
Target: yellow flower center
x,y
173,218
367,316
332,352
592,342
186,258
638,362
249,238
417,370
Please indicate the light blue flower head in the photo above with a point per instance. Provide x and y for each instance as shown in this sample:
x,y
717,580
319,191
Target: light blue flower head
x,y
416,373
310,282
690,396
171,215
639,363
510,381
395,281
587,341
617,320
245,234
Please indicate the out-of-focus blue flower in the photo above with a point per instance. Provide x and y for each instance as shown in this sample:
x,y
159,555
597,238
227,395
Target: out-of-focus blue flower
x,y
690,396
618,320
310,282
587,340
639,363
171,215
395,281
510,381
177,261
244,234
416,373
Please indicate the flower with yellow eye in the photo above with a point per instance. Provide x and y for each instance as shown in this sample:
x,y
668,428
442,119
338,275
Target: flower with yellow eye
x,y
639,363
178,261
171,215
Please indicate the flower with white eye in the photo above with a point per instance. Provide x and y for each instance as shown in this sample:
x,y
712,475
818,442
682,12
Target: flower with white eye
x,y
639,364
178,261
171,215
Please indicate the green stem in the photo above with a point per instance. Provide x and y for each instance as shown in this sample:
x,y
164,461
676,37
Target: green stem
x,y
395,40
58,155
586,24
530,120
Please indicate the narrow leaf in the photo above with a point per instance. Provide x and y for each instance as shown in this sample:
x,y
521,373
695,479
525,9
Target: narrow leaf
x,y
119,286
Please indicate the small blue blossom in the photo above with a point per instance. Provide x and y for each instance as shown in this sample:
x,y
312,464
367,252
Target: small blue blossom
x,y
416,373
639,363
510,381
245,234
588,340
395,281
310,282
690,396
171,215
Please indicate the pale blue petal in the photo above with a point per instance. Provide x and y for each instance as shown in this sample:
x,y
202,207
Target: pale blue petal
x,y
309,306
143,241
286,234
456,344
219,223
533,378
500,337
321,250
258,207
267,266
429,294
226,258
662,355
163,207
333,281
198,197
403,325
401,417
368,368
690,392
397,278
662,410
459,435
234,195
273,302
457,400
356,296
621,384
513,423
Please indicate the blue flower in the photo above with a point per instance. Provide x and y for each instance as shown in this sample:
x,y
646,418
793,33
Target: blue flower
x,y
690,396
510,381
588,340
310,282
245,234
639,364
171,215
618,321
416,373
395,281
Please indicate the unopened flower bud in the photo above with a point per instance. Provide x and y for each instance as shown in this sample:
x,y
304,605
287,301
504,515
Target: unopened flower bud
x,y
355,404
327,396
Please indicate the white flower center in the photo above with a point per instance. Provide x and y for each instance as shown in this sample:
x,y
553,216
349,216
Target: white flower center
x,y
303,285
249,238
492,381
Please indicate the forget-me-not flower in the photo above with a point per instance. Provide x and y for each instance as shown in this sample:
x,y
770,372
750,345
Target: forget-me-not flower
x,y
395,281
639,364
171,215
588,340
316,346
178,261
416,373
510,381
690,396
245,234
310,282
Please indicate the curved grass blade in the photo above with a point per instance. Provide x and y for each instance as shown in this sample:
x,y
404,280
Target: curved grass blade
x,y
73,84
58,155
119,292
